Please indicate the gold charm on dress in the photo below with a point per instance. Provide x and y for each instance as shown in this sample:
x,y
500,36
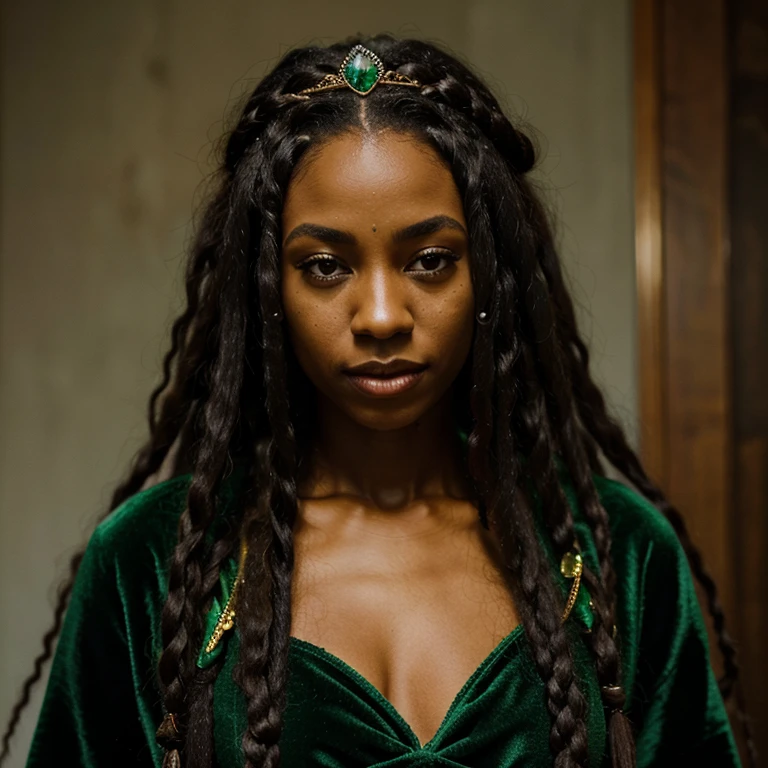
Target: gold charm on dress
x,y
227,617
571,566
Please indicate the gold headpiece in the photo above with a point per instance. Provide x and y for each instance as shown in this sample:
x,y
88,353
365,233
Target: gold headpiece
x,y
362,70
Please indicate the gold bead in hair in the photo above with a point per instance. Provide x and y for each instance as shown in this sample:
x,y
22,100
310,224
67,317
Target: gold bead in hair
x,y
172,759
167,733
613,693
169,738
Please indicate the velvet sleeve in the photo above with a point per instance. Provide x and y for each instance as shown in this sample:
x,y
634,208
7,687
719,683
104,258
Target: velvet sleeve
x,y
674,702
100,708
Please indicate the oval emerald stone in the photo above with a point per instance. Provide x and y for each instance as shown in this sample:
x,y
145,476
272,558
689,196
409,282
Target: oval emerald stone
x,y
361,73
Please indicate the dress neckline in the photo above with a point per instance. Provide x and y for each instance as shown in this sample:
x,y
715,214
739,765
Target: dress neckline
x,y
298,644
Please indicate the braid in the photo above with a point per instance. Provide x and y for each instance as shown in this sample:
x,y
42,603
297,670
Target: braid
x,y
62,599
539,322
459,90
580,451
182,619
163,422
615,448
560,403
609,436
566,703
285,500
263,665
255,617
515,526
613,444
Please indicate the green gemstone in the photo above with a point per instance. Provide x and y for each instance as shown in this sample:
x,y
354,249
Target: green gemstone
x,y
571,565
361,73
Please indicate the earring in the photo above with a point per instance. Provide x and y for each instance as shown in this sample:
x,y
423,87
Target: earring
x,y
482,318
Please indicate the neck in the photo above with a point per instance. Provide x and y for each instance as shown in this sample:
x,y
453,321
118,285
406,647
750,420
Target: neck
x,y
388,469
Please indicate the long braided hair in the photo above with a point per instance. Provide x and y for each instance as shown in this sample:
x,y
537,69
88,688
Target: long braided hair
x,y
528,393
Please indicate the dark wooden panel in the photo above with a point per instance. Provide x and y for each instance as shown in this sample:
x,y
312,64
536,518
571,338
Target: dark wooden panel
x,y
752,519
695,181
701,94
749,255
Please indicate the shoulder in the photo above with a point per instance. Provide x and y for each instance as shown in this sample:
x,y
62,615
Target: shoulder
x,y
160,503
654,585
145,522
103,670
120,584
143,530
662,635
658,610
632,517
636,524
654,577
126,558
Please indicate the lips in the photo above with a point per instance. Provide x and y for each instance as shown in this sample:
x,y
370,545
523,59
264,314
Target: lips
x,y
385,369
382,379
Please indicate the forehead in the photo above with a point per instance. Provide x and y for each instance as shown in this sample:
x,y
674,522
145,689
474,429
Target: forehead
x,y
364,179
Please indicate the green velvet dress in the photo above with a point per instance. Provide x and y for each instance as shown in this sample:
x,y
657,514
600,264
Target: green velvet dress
x,y
102,704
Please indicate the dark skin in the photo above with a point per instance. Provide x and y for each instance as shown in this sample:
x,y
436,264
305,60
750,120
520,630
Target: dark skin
x,y
394,572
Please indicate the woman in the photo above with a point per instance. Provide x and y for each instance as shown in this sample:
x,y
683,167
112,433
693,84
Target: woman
x,y
372,524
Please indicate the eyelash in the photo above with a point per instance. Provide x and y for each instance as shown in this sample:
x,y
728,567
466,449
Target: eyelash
x,y
429,274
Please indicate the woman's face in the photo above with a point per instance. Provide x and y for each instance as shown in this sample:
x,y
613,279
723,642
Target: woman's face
x,y
375,266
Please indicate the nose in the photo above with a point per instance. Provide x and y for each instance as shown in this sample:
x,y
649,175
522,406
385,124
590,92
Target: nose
x,y
381,306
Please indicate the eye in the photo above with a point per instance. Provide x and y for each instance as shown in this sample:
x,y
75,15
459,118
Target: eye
x,y
431,258
325,268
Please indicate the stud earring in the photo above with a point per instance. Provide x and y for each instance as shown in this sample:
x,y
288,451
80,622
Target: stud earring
x,y
482,318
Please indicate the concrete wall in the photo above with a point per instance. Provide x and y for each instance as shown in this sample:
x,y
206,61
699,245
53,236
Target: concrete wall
x,y
106,117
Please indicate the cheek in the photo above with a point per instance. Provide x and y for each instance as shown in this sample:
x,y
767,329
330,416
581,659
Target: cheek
x,y
449,328
312,330
457,315
462,331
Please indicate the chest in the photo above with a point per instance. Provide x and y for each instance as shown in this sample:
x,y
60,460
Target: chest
x,y
414,610
335,718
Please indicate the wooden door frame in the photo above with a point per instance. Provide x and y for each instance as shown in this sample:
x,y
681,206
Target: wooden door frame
x,y
649,265
682,267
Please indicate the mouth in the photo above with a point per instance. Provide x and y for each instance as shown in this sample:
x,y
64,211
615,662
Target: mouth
x,y
385,379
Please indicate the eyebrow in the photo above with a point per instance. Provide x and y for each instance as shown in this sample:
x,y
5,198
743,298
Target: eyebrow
x,y
338,236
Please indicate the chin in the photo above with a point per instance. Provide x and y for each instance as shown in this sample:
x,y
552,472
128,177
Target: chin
x,y
388,415
384,419
388,425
